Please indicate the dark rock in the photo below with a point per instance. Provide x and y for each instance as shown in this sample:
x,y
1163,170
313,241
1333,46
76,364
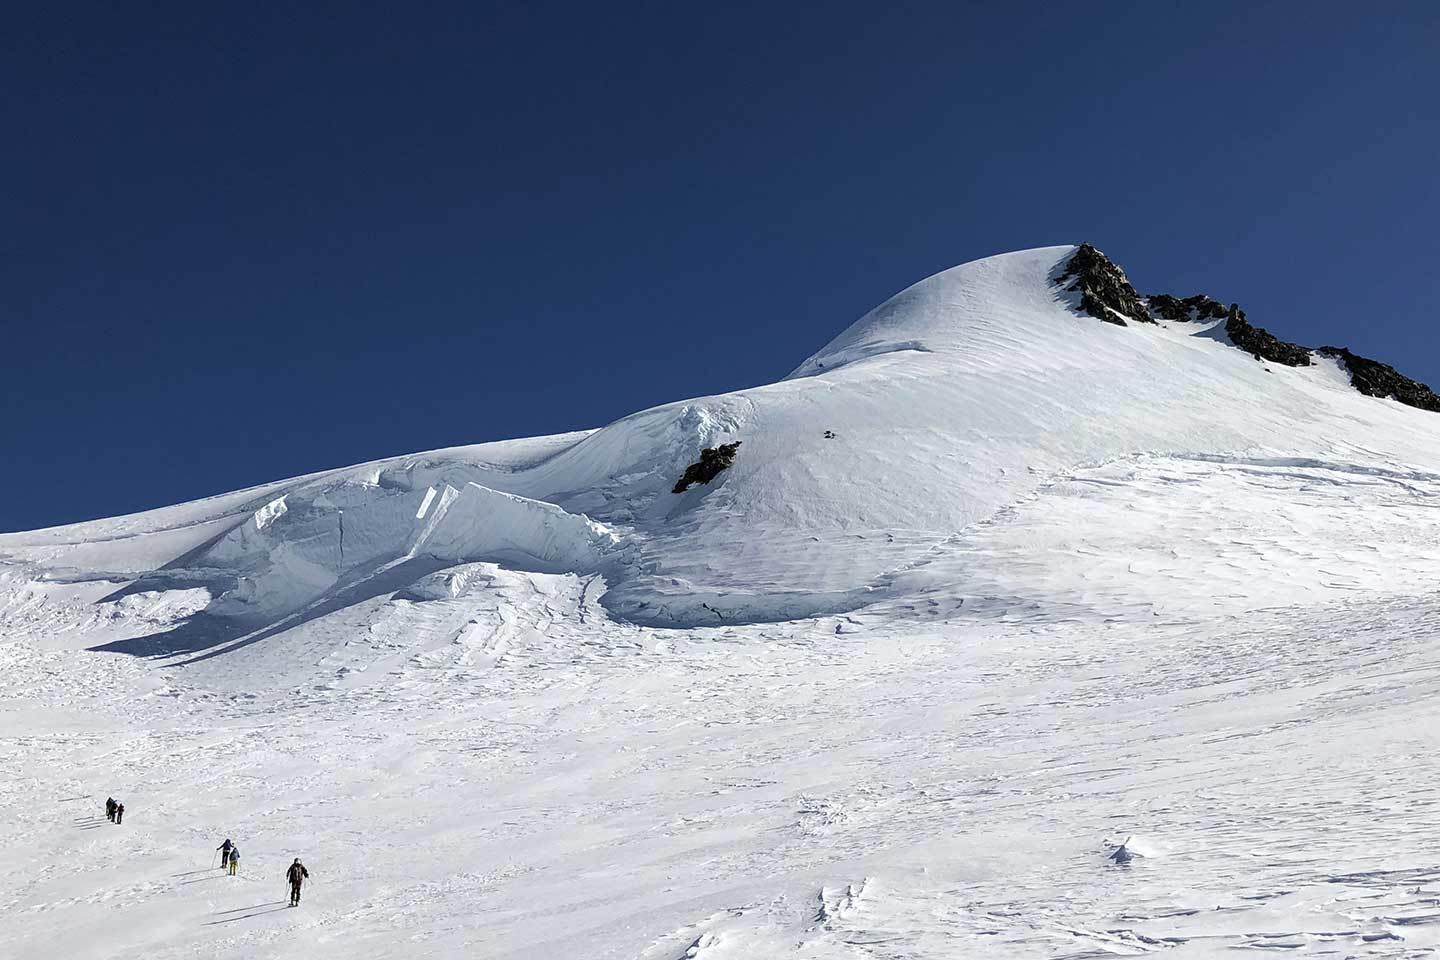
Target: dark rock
x,y
1105,291
1261,344
1106,294
712,461
1206,309
1167,307
1191,309
1376,379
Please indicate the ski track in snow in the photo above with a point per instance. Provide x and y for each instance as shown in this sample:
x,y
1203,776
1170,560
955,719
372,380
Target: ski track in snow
x,y
897,690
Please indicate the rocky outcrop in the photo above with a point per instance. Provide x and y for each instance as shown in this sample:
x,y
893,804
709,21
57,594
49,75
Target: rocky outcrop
x,y
1105,291
1190,309
1376,379
1261,343
712,461
1370,377
1107,294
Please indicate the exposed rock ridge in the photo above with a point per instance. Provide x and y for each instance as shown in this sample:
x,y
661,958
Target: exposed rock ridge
x,y
1192,309
1261,343
1376,379
1105,291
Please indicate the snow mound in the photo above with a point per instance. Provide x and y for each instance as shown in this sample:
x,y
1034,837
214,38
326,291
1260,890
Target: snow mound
x,y
941,313
291,555
477,523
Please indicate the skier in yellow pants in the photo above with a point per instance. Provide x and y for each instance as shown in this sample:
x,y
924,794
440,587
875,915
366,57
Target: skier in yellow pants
x,y
234,860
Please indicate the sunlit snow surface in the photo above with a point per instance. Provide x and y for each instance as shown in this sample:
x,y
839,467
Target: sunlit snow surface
x,y
1053,586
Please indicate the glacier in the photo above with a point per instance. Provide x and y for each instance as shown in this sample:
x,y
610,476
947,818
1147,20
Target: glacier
x,y
993,590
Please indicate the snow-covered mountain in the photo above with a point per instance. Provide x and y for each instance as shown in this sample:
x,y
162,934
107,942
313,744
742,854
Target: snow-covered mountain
x,y
1019,561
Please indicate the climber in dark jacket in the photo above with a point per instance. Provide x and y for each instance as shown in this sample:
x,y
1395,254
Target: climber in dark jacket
x,y
297,874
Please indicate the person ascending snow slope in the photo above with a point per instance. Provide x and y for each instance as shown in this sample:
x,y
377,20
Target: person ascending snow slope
x,y
297,875
225,849
110,809
119,812
234,860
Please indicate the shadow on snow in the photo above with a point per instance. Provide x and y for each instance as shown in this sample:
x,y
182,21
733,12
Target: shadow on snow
x,y
274,905
202,635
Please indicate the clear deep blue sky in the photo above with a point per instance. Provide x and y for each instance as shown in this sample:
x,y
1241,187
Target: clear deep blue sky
x,y
245,243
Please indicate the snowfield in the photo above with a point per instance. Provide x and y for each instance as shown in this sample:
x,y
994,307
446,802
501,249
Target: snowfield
x,y
991,589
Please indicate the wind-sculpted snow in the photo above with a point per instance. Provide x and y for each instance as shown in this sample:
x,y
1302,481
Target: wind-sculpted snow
x,y
320,534
1197,535
477,523
992,591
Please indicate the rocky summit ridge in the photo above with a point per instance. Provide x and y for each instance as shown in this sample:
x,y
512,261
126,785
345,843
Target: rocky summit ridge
x,y
1107,294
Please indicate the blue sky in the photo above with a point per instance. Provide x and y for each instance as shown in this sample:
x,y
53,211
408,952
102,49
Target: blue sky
x,y
244,244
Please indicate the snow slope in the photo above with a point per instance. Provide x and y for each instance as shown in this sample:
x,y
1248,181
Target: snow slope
x,y
989,583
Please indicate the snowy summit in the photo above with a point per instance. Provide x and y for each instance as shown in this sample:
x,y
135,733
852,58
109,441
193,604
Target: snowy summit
x,y
871,661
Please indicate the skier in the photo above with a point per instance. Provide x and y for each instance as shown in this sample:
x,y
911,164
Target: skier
x,y
225,849
234,860
296,875
110,809
119,812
